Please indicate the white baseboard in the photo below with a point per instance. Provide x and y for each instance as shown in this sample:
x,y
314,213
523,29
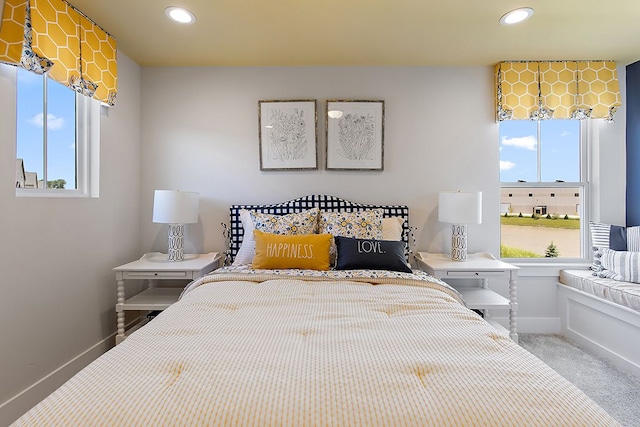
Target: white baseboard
x,y
15,407
533,325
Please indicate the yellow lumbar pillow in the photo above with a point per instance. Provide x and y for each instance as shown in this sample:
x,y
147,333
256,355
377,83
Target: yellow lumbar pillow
x,y
305,251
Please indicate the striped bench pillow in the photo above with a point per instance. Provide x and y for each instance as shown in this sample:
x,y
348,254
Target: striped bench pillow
x,y
620,265
616,237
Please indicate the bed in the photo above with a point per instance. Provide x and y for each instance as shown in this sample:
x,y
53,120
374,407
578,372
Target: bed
x,y
307,346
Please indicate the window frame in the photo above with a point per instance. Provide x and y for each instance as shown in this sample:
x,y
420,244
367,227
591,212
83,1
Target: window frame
x,y
87,142
585,147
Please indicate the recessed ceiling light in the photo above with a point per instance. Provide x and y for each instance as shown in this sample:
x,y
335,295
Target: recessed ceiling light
x,y
516,16
335,114
180,15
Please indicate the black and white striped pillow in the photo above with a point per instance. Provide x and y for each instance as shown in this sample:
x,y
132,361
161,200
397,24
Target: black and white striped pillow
x,y
616,237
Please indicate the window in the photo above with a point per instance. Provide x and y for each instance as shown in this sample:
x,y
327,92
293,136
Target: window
x,y
56,137
542,171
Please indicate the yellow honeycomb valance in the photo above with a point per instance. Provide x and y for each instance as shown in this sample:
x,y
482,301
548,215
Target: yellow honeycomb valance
x,y
52,36
12,31
539,90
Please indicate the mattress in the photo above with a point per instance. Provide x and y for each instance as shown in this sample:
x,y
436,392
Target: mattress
x,y
626,294
300,348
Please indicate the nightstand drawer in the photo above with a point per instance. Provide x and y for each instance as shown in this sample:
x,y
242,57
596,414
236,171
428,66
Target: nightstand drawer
x,y
475,274
155,274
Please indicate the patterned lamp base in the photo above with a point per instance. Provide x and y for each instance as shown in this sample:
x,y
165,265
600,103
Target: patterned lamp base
x,y
176,242
459,242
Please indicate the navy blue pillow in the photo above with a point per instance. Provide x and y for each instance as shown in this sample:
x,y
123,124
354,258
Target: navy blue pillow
x,y
618,238
356,254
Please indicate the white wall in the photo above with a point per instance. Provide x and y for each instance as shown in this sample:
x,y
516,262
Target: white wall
x,y
609,164
200,133
58,290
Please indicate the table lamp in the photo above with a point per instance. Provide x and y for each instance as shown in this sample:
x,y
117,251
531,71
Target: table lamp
x,y
175,208
459,208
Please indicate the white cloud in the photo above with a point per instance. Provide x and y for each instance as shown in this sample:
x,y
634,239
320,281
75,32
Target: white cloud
x,y
565,133
53,122
506,165
526,142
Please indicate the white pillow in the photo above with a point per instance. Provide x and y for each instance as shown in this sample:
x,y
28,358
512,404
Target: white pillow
x,y
392,228
248,247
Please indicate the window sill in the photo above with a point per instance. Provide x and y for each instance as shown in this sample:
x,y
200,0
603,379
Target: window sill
x,y
32,192
546,269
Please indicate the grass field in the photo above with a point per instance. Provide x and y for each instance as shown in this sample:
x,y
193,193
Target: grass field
x,y
526,237
571,224
509,252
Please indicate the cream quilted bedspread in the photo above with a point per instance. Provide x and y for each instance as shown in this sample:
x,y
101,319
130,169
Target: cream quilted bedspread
x,y
291,352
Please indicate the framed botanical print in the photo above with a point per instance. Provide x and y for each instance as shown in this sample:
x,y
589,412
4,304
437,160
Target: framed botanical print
x,y
287,132
355,135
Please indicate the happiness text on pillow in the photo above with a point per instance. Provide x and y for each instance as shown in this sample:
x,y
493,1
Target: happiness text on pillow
x,y
287,250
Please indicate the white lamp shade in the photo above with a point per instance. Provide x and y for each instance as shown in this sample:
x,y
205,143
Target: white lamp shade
x,y
175,207
460,208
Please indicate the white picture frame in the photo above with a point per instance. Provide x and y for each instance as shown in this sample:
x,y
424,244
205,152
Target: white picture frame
x,y
288,134
355,135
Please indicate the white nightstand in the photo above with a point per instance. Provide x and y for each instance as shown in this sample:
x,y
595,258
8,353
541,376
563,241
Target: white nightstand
x,y
155,266
481,266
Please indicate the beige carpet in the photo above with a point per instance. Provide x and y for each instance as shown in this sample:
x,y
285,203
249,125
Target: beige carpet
x,y
615,391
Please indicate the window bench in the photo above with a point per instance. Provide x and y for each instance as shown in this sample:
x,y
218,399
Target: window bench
x,y
602,315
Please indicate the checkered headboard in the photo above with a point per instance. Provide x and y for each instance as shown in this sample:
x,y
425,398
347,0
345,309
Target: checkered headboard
x,y
324,203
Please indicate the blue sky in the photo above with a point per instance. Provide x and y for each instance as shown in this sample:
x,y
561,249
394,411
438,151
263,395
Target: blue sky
x,y
61,127
559,150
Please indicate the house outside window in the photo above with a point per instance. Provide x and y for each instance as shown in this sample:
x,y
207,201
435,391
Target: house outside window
x,y
57,137
542,171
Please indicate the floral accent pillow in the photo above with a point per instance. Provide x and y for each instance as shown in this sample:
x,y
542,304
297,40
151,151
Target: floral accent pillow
x,y
305,222
362,225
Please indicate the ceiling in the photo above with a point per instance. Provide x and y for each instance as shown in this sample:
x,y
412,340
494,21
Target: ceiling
x,y
368,32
